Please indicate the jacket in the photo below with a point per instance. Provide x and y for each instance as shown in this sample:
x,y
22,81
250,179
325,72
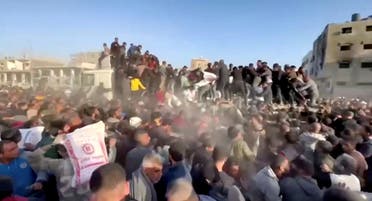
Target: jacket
x,y
175,172
64,172
21,173
265,186
312,87
240,150
141,188
136,85
300,188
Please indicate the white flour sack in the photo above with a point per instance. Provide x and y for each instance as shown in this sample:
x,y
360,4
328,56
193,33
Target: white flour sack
x,y
87,151
30,136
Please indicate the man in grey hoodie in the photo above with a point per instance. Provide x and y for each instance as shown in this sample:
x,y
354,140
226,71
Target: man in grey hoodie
x,y
143,179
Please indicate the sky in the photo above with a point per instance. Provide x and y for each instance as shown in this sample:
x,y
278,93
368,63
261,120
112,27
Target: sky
x,y
238,31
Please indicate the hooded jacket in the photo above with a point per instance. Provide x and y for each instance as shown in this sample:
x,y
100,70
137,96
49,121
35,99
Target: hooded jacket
x,y
141,187
300,188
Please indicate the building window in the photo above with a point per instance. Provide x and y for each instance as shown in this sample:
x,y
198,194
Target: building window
x,y
345,47
366,65
347,30
367,46
341,83
344,65
364,83
369,28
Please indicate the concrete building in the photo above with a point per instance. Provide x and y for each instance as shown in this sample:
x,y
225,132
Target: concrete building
x,y
18,72
85,60
341,59
199,63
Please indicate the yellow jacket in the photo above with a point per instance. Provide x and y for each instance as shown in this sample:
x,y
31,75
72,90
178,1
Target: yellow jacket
x,y
136,85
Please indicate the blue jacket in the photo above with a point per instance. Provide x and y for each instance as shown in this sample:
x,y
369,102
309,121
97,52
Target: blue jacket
x,y
175,172
22,175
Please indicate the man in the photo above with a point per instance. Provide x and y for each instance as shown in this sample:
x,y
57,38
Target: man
x,y
266,186
143,180
162,72
310,138
123,51
349,143
202,172
182,189
108,182
238,83
223,79
135,156
302,186
346,122
177,169
311,89
344,174
115,53
157,132
105,53
239,148
277,77
23,176
6,190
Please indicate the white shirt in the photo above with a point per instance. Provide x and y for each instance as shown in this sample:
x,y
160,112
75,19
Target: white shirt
x,y
30,136
351,181
310,139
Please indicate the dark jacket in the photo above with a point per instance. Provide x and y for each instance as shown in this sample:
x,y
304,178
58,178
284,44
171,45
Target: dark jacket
x,y
300,188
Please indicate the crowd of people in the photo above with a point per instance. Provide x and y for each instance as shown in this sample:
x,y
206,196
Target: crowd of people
x,y
136,74
185,139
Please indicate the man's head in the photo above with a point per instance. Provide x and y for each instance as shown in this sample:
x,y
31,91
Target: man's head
x,y
109,181
181,189
349,140
231,167
156,118
177,152
366,132
345,164
233,132
104,45
208,143
280,166
116,39
152,165
303,166
8,151
142,137
220,154
315,127
348,115
11,135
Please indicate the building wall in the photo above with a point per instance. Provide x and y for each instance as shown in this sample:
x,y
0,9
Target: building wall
x,y
338,56
199,63
11,64
356,40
